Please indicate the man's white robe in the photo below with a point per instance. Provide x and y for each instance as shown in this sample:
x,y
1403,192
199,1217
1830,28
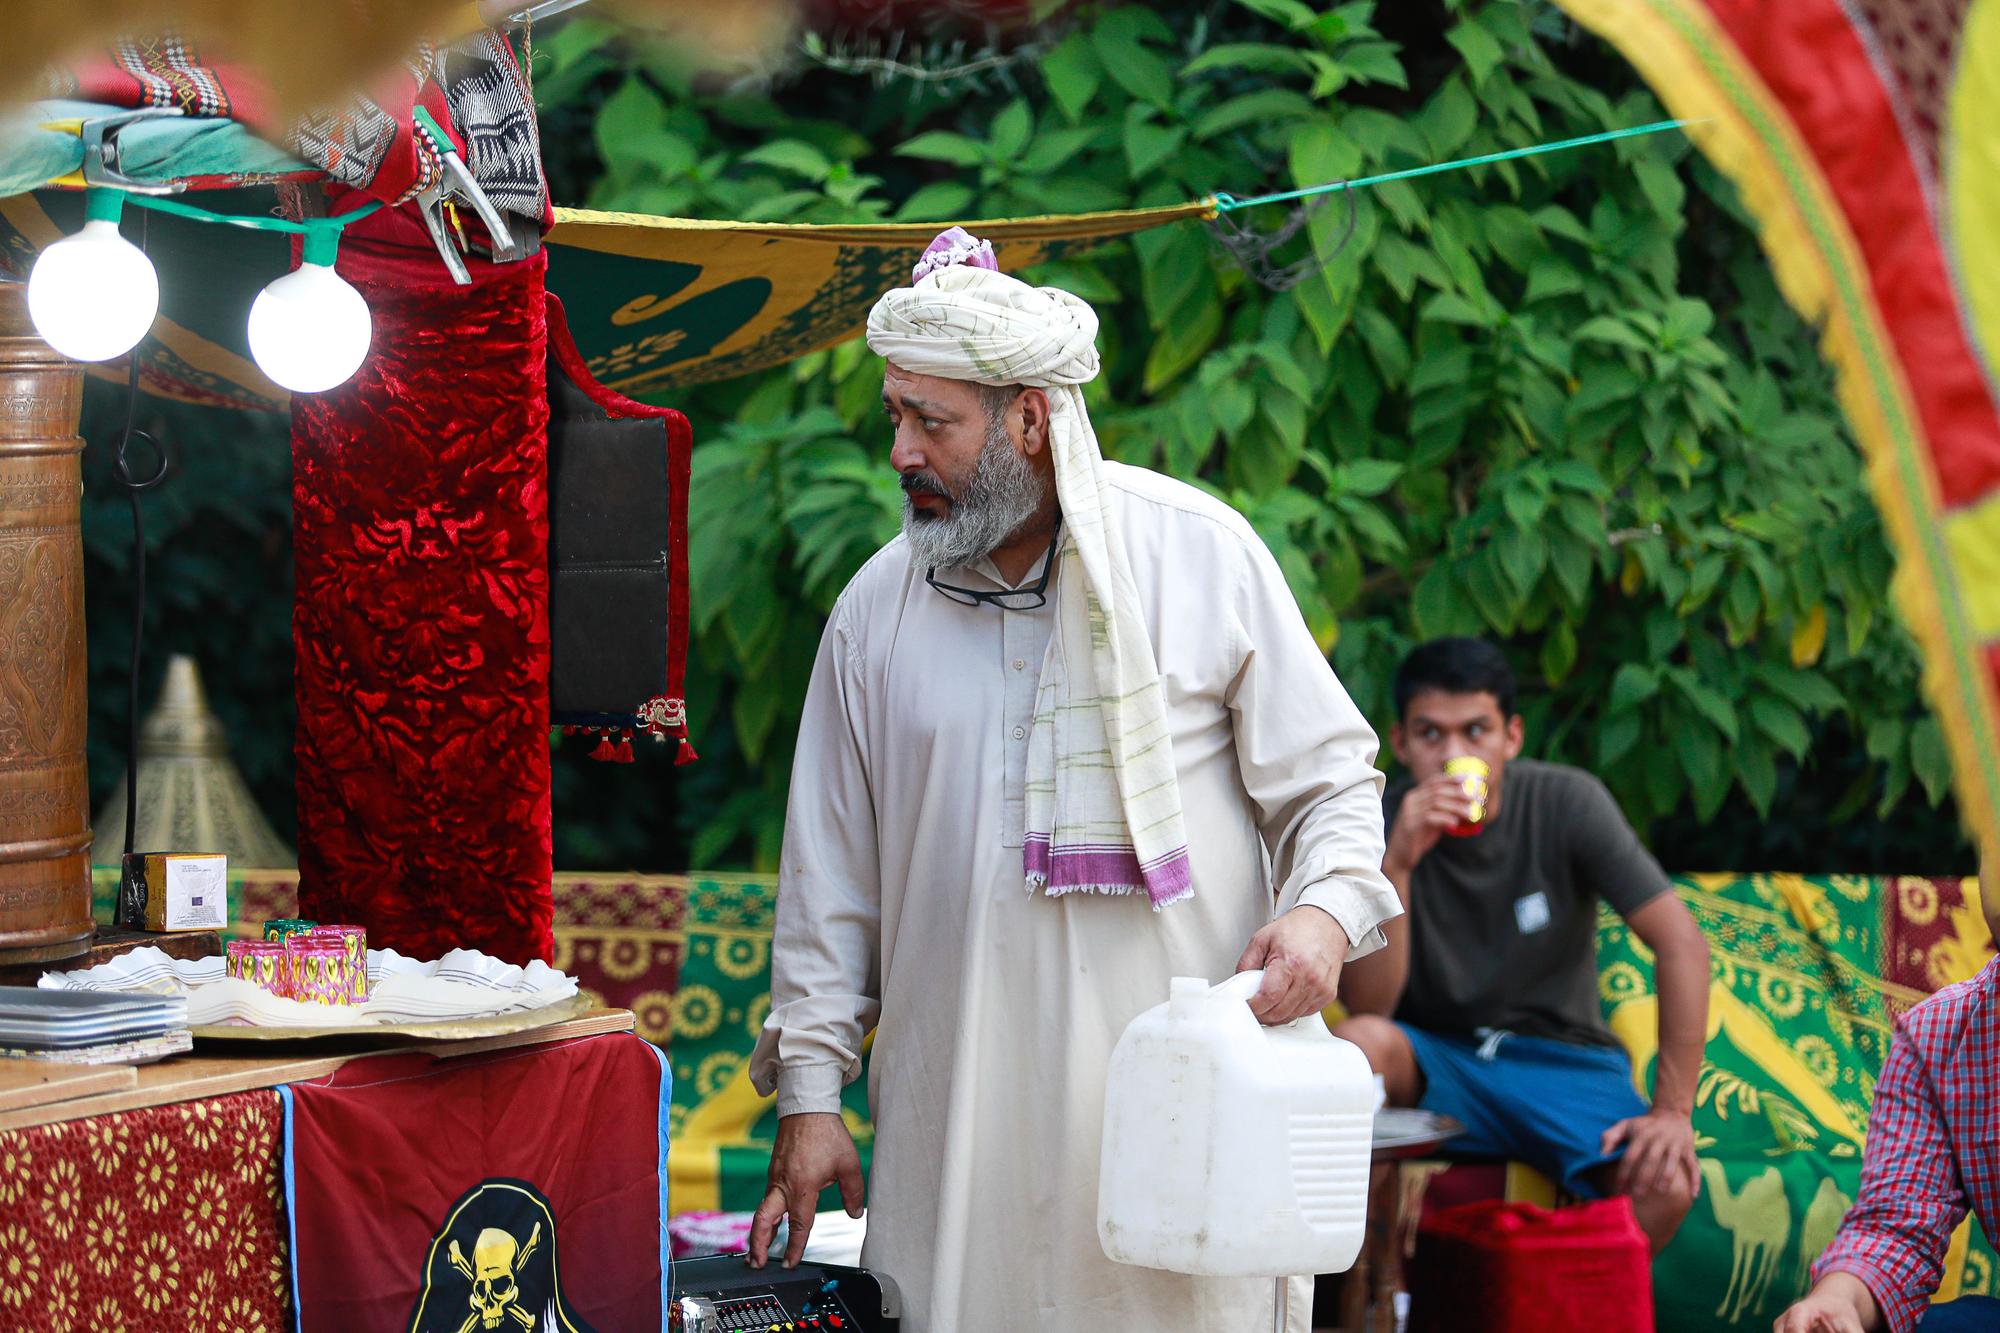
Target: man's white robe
x,y
902,907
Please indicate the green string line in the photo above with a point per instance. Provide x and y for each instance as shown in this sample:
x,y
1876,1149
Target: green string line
x,y
1229,203
306,227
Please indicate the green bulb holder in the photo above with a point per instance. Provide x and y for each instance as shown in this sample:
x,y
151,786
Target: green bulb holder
x,y
103,205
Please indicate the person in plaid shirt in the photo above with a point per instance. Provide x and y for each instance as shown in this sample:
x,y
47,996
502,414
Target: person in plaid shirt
x,y
1933,1151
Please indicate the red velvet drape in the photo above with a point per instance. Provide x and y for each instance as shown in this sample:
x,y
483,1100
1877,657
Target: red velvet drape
x,y
420,624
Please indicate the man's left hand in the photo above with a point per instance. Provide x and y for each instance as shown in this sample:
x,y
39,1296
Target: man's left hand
x,y
1659,1153
1300,953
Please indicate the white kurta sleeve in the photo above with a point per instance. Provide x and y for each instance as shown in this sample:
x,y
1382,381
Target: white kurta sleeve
x,y
825,985
1307,757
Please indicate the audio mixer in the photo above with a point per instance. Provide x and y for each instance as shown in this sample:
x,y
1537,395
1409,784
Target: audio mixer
x,y
721,1293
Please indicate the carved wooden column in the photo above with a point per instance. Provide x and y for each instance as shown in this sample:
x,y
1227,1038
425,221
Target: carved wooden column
x,y
44,796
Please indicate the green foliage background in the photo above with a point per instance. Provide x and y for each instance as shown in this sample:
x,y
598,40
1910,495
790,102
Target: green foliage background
x,y
1556,401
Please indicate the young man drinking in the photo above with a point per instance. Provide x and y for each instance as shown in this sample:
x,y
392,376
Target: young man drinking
x,y
1483,1004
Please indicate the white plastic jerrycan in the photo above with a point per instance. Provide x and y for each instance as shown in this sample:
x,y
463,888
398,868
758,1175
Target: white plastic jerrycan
x,y
1232,1149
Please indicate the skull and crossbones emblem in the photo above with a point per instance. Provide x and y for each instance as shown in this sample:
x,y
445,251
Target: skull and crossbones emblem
x,y
496,1260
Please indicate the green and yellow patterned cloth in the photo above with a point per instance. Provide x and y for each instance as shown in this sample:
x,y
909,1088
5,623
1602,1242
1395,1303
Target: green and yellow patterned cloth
x,y
1809,975
721,1128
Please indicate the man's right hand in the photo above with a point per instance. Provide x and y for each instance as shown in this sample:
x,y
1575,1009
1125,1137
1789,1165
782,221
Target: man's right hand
x,y
1428,810
813,1151
1839,1303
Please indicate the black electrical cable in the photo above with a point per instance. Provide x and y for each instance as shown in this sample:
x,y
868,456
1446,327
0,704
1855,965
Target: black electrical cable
x,y
121,469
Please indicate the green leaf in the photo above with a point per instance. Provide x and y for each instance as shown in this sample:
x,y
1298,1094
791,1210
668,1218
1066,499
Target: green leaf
x,y
1436,604
939,201
1267,106
1448,118
1132,66
1699,751
629,119
1806,690
1782,723
1616,736
1710,703
1173,262
1374,62
1373,526
1053,148
1366,476
1148,144
1632,686
1290,13
792,155
1756,773
1661,185
1523,554
1452,308
1685,321
1011,129
944,146
1578,476
1181,343
1257,57
1609,329
1558,653
1886,737
1479,48
1233,404
1929,759
1523,503
1073,74
1551,276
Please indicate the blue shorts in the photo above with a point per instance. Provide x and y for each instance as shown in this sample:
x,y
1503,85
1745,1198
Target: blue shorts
x,y
1530,1099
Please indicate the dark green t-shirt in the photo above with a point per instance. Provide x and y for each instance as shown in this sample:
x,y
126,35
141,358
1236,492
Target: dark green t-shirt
x,y
1503,926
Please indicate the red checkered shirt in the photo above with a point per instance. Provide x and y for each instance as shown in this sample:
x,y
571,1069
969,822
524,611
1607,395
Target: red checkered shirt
x,y
1933,1149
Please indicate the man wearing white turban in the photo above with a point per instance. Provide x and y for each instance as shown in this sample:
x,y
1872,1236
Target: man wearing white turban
x,y
1067,737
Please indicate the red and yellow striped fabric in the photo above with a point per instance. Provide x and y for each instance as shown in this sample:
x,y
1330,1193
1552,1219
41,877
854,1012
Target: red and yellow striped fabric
x,y
1865,138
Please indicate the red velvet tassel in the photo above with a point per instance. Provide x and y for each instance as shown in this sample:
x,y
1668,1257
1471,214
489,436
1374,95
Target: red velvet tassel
x,y
604,754
623,754
686,754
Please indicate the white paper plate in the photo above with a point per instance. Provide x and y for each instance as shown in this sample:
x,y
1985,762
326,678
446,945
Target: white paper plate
x,y
403,992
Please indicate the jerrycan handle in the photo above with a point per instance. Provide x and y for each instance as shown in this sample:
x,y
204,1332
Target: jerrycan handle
x,y
1243,986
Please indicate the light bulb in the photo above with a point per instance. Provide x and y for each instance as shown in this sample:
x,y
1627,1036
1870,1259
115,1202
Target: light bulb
x,y
93,295
309,330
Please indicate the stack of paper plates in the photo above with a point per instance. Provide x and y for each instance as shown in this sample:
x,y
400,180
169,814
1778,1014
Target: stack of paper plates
x,y
66,1019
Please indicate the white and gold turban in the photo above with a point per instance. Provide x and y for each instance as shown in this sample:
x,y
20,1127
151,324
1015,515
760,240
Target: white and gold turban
x,y
1103,798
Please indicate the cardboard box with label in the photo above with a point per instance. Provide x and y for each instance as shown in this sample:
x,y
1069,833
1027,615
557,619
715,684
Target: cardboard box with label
x,y
165,891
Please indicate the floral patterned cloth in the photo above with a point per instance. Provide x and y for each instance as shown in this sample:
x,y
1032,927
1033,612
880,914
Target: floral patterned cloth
x,y
162,1218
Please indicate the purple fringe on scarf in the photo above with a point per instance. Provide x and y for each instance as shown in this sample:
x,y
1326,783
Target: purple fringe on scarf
x,y
1106,868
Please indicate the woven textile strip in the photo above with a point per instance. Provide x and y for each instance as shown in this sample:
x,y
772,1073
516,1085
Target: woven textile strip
x,y
162,1218
1830,122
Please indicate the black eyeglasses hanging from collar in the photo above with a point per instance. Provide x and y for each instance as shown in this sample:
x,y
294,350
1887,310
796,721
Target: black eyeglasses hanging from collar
x,y
1007,599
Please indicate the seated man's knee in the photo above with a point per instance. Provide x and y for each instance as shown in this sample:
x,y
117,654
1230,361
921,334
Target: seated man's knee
x,y
1388,1052
1672,1197
1660,1206
1375,1035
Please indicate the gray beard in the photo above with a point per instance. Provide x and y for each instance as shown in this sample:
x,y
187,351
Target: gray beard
x,y
1003,495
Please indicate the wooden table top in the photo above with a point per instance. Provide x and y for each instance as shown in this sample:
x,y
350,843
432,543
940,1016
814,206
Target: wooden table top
x,y
219,1070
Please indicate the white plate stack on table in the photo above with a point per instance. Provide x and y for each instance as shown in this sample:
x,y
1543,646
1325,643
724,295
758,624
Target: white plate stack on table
x,y
86,1027
404,995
